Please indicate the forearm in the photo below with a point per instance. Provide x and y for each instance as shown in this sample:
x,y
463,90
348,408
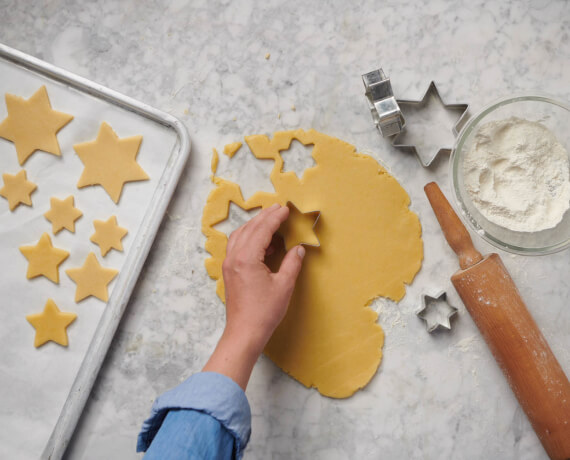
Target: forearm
x,y
234,357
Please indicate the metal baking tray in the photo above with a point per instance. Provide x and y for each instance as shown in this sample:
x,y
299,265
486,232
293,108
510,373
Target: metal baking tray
x,y
165,131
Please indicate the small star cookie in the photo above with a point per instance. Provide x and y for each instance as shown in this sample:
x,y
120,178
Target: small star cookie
x,y
51,324
17,189
108,235
32,124
110,161
63,214
91,279
44,259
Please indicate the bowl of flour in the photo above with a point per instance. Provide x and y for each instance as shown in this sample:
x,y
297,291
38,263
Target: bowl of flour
x,y
510,168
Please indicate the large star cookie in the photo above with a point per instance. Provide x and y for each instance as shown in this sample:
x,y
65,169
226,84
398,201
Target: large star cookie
x,y
110,161
108,235
51,324
32,124
44,259
63,214
91,279
17,189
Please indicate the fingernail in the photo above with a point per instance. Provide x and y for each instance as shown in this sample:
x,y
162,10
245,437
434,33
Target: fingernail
x,y
301,251
274,206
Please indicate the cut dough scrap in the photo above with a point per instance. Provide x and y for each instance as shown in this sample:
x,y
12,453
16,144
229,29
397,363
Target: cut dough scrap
x,y
110,161
63,214
370,246
231,149
44,259
91,279
108,235
215,161
32,124
17,189
51,324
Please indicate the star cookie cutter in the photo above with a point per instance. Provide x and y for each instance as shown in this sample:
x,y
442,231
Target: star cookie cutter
x,y
426,161
383,105
314,214
436,311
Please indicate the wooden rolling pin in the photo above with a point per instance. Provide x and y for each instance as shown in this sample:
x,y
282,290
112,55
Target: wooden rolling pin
x,y
494,302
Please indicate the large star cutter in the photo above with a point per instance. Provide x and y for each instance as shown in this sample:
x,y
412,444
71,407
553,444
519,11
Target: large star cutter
x,y
438,304
424,159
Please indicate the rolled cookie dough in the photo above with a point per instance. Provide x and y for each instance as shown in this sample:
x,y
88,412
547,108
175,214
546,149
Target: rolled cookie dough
x,y
370,246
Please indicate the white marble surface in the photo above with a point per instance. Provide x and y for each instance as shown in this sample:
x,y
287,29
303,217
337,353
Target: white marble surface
x,y
434,396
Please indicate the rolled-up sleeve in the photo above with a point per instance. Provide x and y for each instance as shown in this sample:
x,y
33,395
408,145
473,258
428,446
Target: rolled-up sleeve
x,y
190,408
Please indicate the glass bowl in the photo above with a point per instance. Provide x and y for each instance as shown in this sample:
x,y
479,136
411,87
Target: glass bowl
x,y
555,115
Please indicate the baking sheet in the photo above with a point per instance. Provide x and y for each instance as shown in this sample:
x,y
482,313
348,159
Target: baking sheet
x,y
36,383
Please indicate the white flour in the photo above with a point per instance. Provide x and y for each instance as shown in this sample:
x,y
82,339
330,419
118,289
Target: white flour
x,y
518,175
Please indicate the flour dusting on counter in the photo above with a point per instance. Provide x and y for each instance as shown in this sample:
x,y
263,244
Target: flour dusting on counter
x,y
518,175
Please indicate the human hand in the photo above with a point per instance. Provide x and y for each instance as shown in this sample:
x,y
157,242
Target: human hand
x,y
256,298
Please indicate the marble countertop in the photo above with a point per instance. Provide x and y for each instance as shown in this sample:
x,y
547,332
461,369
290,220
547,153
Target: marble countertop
x,y
434,396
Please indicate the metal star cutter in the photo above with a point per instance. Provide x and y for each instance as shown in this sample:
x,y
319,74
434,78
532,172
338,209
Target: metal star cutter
x,y
299,228
427,158
436,311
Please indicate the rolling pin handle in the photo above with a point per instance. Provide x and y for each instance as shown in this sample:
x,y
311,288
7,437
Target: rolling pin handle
x,y
454,231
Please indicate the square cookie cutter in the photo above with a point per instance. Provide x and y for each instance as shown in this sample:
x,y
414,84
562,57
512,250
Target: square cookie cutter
x,y
383,106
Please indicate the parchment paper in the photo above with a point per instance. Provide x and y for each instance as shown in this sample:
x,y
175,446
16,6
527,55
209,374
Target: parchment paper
x,y
35,382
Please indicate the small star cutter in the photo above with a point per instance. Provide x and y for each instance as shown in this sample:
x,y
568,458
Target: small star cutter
x,y
314,214
436,311
426,160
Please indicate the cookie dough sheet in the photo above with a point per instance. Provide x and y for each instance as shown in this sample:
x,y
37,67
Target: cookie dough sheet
x,y
35,382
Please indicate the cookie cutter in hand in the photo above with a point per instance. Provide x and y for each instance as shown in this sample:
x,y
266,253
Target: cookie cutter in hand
x,y
436,311
426,161
383,105
316,214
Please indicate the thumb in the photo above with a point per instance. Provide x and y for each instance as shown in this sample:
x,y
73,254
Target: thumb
x,y
291,265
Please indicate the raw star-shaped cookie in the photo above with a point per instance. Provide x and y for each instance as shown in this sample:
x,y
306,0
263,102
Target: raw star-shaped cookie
x,y
108,235
91,279
51,324
17,189
44,259
32,124
110,162
63,214
370,246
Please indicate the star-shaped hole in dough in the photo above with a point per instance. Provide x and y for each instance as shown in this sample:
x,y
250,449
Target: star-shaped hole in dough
x,y
63,214
32,124
108,235
17,189
110,161
299,228
44,259
91,279
51,324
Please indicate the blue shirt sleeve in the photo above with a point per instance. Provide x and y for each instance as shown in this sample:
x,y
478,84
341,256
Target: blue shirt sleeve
x,y
207,411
